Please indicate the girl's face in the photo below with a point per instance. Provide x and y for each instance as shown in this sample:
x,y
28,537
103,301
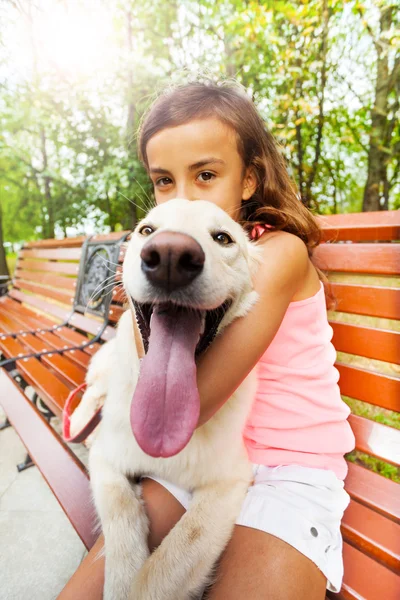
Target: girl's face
x,y
200,161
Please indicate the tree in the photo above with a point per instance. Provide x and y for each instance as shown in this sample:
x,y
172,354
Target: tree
x,y
384,139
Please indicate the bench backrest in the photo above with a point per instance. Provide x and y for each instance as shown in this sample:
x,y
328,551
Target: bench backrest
x,y
362,258
46,280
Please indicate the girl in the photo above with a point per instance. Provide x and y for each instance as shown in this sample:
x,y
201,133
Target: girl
x,y
207,141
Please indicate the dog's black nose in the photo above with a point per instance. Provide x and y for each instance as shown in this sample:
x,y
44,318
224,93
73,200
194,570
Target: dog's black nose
x,y
172,260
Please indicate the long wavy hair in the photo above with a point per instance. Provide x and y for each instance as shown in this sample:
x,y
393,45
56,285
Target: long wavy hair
x,y
276,200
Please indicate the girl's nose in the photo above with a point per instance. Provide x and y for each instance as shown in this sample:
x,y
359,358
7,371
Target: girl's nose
x,y
185,190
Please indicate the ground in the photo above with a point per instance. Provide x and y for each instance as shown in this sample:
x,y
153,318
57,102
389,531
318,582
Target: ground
x,y
39,549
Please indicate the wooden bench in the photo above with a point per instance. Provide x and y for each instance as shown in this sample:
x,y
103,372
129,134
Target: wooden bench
x,y
43,319
365,281
364,265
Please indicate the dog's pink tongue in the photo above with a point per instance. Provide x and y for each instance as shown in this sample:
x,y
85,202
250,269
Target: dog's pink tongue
x,y
165,405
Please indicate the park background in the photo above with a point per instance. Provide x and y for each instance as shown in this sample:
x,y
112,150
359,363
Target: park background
x,y
76,76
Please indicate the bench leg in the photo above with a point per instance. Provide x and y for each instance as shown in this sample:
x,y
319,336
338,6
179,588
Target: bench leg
x,y
28,462
46,412
5,424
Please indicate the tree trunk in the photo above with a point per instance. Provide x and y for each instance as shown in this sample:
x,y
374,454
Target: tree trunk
x,y
3,263
321,115
47,187
376,188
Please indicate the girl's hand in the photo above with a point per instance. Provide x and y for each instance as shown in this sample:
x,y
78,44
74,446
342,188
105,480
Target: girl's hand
x,y
286,274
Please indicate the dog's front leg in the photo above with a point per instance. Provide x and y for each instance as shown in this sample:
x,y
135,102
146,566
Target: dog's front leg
x,y
124,524
180,567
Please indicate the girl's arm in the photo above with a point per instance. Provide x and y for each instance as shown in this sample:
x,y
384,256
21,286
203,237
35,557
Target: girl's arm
x,y
285,271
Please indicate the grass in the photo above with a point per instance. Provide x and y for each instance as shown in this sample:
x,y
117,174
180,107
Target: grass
x,y
379,415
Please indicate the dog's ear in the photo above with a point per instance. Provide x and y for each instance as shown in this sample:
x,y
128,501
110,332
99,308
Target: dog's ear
x,y
254,257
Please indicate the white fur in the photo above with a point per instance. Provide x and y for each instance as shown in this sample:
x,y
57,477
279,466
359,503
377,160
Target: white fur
x,y
213,464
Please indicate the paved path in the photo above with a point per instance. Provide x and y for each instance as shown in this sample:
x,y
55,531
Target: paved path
x,y
39,549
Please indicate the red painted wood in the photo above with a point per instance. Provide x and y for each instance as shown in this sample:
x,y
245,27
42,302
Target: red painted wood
x,y
382,225
359,258
63,297
51,309
66,283
366,341
63,472
376,439
68,268
66,370
104,237
115,313
367,300
373,534
53,341
366,579
52,243
52,254
380,390
48,386
374,491
365,219
361,234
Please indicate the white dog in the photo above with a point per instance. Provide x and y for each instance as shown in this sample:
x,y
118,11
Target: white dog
x,y
188,271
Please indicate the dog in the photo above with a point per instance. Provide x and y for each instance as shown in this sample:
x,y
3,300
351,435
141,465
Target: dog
x,y
188,272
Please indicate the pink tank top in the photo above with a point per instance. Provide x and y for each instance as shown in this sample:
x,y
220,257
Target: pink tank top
x,y
298,416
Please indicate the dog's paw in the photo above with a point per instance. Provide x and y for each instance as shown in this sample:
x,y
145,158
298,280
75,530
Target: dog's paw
x,y
90,403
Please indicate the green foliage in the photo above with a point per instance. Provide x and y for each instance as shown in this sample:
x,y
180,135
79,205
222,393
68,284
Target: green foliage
x,y
68,156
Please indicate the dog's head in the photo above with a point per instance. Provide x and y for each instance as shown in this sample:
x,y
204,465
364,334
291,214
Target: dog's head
x,y
188,270
190,254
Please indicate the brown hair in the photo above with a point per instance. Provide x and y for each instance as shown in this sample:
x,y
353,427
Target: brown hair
x,y
276,200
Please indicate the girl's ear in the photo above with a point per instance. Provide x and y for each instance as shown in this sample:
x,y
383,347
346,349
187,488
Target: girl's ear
x,y
249,184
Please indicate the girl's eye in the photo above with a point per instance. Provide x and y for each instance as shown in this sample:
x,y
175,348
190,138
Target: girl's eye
x,y
163,181
206,176
146,230
222,238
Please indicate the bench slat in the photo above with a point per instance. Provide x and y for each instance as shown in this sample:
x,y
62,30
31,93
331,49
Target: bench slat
x,y
51,309
115,312
366,341
53,341
119,295
30,319
64,368
361,234
370,226
361,219
373,490
48,386
65,335
52,254
376,439
359,258
67,268
52,243
63,472
367,300
366,579
372,533
374,388
67,283
64,298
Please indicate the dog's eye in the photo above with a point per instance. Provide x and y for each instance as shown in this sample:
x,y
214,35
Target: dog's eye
x,y
146,230
222,238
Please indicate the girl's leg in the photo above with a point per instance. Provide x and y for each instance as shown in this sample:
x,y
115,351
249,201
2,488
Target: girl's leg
x,y
254,565
163,510
259,566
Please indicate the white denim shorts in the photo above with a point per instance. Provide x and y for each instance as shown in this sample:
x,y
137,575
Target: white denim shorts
x,y
301,506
